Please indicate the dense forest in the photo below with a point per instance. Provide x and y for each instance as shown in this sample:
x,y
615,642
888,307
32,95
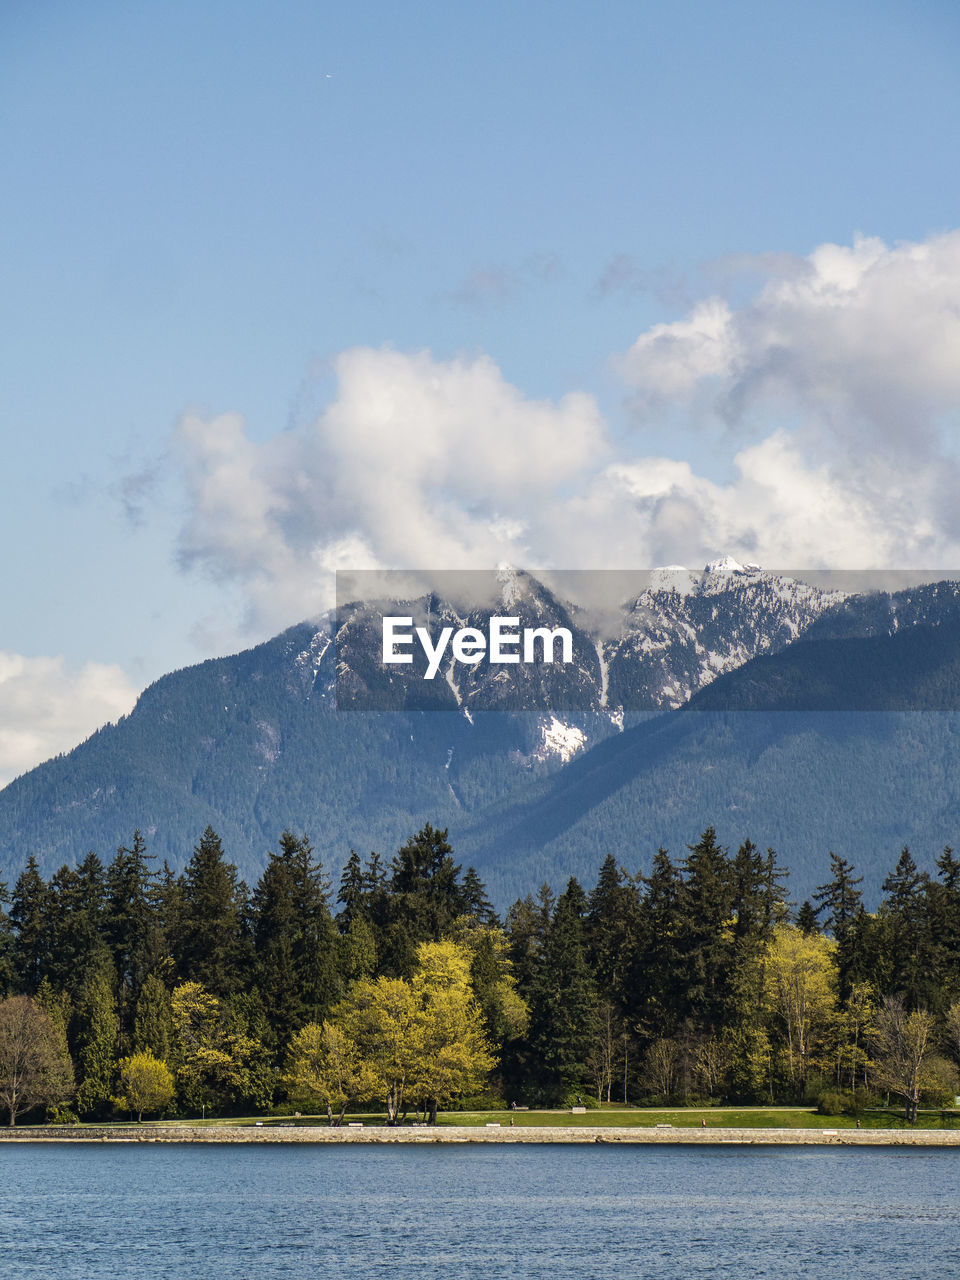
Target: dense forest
x,y
128,989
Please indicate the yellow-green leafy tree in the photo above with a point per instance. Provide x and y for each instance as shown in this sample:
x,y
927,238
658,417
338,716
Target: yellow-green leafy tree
x,y
421,1041
505,1013
904,1046
216,1062
381,1021
454,1056
34,1068
146,1084
324,1065
855,1031
800,982
952,1032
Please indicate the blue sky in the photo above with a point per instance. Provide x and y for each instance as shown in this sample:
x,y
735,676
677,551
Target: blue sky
x,y
538,278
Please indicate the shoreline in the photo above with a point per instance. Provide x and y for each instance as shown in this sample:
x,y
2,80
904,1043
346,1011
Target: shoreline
x,y
463,1134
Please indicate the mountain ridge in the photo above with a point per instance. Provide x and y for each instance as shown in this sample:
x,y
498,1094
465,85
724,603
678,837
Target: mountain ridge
x,y
252,744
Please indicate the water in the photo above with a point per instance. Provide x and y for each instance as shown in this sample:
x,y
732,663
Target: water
x,y
259,1212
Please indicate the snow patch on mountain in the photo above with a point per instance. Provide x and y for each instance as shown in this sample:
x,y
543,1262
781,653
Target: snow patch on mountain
x,y
687,628
673,577
307,662
604,673
451,679
511,589
727,564
559,739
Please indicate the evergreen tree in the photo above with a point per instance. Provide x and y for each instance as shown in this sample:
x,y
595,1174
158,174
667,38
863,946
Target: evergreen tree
x,y
807,921
656,994
842,901
525,927
475,900
316,950
611,930
757,907
751,908
153,1022
96,1035
133,926
30,916
904,885
704,939
563,1004
776,906
943,915
168,898
274,929
62,965
425,897
360,896
211,945
78,917
7,946
911,945
295,939
351,895
375,891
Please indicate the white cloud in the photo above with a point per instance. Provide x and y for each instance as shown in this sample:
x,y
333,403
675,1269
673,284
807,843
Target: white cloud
x,y
669,361
417,463
46,709
777,509
861,342
833,389
842,379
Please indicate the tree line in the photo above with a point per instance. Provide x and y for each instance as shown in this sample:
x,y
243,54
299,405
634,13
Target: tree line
x,y
129,989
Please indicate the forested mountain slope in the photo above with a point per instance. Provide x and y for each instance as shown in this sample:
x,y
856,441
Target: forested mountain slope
x,y
760,755
253,743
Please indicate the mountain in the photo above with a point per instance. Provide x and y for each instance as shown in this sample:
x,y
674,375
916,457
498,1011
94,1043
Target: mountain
x,y
761,753
685,629
539,771
676,635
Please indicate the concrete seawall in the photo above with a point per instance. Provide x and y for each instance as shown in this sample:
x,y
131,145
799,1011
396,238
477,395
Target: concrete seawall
x,y
426,1135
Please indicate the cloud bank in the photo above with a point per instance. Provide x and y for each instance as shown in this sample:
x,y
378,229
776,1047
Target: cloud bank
x,y
46,709
832,390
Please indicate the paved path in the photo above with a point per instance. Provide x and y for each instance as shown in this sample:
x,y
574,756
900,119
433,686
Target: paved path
x,y
424,1134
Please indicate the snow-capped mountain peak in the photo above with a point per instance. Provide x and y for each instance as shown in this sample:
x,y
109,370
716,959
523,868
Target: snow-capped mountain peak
x,y
511,588
729,565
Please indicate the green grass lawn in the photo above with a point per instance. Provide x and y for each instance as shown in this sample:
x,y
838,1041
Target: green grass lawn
x,y
619,1115
715,1118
